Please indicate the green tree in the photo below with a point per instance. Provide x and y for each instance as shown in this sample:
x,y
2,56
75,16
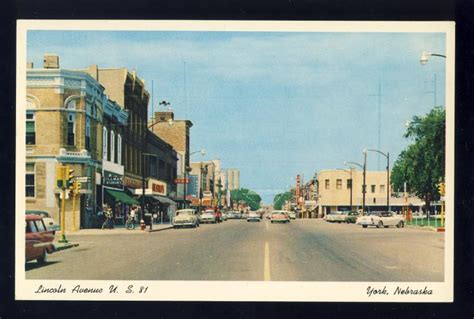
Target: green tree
x,y
422,164
280,199
251,198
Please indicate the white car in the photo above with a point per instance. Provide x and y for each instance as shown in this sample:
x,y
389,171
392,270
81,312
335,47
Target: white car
x,y
292,215
253,216
336,217
381,219
208,216
185,217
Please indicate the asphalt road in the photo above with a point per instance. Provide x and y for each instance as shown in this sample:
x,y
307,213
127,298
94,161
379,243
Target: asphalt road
x,y
303,250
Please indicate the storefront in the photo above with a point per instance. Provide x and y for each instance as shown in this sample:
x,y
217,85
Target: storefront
x,y
114,195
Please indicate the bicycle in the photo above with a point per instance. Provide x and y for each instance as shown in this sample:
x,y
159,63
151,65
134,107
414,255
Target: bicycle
x,y
108,223
130,223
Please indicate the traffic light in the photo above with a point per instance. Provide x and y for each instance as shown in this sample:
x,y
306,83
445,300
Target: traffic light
x,y
78,187
70,178
60,176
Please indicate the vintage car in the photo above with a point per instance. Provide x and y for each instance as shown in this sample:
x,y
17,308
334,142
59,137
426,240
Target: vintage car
x,y
208,216
292,215
39,240
279,216
233,215
185,217
351,217
253,217
381,219
336,217
47,219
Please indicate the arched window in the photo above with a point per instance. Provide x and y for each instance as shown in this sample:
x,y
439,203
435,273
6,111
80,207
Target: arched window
x,y
88,133
104,143
119,149
71,129
112,146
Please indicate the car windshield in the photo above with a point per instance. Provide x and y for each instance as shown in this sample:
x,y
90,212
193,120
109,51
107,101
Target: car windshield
x,y
184,212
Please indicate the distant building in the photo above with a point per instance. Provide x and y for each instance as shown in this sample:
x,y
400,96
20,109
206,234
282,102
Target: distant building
x,y
334,191
177,134
233,179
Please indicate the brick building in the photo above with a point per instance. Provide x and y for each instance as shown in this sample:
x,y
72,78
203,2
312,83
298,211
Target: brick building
x,y
64,115
176,133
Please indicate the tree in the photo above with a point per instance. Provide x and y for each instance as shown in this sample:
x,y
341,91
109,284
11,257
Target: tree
x,y
422,164
249,197
280,199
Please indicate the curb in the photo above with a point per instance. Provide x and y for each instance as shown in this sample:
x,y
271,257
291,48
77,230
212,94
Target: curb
x,y
160,229
422,227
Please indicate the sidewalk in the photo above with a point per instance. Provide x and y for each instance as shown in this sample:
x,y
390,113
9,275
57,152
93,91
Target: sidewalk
x,y
120,230
421,227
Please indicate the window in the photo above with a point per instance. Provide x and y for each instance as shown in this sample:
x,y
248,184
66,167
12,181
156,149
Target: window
x,y
119,149
326,183
349,183
372,188
40,225
338,183
30,128
30,180
32,227
104,143
112,146
88,133
382,188
70,129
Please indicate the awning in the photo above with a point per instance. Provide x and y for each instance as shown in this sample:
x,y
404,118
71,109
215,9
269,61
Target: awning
x,y
164,200
121,196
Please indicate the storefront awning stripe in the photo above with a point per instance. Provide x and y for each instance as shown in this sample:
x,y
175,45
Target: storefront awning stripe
x,y
121,196
164,200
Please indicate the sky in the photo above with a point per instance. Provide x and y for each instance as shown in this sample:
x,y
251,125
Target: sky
x,y
273,104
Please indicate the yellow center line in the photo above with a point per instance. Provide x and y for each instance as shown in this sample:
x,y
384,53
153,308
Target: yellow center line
x,y
266,263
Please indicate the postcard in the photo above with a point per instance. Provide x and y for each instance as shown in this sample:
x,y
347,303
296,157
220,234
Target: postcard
x,y
235,160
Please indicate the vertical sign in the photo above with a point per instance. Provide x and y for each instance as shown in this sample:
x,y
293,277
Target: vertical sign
x,y
298,181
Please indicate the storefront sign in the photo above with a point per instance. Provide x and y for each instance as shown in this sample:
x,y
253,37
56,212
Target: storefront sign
x,y
112,180
181,180
132,182
157,187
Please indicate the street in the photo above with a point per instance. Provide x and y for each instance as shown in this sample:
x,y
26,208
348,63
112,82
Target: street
x,y
303,250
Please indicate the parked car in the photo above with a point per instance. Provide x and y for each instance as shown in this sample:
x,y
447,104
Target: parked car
x,y
279,216
253,216
185,217
208,216
292,215
233,215
39,240
351,217
336,217
381,219
48,220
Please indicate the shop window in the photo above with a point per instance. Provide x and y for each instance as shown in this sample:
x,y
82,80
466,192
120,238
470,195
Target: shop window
x,y
30,180
30,128
338,183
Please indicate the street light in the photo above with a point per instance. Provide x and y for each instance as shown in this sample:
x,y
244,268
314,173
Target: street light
x,y
188,169
364,168
388,174
350,172
426,55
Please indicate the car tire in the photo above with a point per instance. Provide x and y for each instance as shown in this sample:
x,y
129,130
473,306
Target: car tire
x,y
364,226
400,224
271,221
380,224
43,259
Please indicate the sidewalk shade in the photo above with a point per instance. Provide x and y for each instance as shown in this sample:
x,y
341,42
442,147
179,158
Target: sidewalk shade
x,y
121,196
164,200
